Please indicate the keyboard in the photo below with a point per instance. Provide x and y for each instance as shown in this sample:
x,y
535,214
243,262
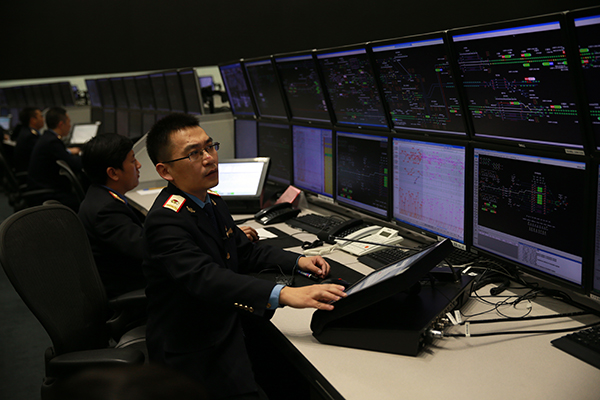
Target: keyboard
x,y
390,255
583,344
313,223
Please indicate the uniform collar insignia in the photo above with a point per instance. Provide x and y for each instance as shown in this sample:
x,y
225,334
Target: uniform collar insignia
x,y
190,209
116,196
174,202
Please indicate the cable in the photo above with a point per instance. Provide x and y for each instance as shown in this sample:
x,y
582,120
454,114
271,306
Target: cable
x,y
513,319
523,332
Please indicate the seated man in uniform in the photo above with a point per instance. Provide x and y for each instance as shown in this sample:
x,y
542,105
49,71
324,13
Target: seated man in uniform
x,y
32,121
196,263
114,229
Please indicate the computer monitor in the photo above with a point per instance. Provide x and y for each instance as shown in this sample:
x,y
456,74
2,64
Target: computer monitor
x,y
517,83
29,97
429,187
313,159
587,31
82,133
5,122
191,91
122,122
266,88
237,90
352,88
133,99
3,101
174,91
530,210
106,93
20,95
246,138
47,94
148,121
118,87
275,142
56,94
363,172
302,88
145,92
159,88
242,178
135,124
418,85
109,120
38,97
93,92
595,286
67,93
206,82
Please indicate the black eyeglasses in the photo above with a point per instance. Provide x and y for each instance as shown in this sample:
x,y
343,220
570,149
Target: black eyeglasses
x,y
198,154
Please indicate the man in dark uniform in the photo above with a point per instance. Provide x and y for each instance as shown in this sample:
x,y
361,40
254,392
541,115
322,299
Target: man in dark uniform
x,y
32,122
196,264
43,171
115,230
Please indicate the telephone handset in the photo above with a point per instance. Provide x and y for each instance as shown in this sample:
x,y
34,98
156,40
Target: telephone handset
x,y
279,212
373,234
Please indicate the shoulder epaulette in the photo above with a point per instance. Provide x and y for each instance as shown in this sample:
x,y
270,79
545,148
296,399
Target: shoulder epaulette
x,y
116,196
174,202
213,193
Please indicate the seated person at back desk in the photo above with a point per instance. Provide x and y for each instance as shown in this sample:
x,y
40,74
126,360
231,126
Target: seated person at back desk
x,y
43,171
113,227
32,121
200,299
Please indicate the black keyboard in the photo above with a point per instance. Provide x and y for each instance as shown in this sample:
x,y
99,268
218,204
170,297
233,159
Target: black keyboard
x,y
388,255
583,344
313,223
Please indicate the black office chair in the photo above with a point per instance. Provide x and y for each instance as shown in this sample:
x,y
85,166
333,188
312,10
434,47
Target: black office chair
x,y
19,197
48,259
76,186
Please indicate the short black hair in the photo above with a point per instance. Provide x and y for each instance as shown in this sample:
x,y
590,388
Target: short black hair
x,y
26,114
104,151
54,116
158,139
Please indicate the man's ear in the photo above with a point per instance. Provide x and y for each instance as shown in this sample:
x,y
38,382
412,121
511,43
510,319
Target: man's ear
x,y
111,172
163,171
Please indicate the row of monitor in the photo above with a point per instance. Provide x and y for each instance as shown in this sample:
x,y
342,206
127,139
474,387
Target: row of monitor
x,y
529,207
169,91
534,81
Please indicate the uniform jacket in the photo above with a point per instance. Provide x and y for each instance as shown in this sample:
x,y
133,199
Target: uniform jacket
x,y
197,290
26,141
116,236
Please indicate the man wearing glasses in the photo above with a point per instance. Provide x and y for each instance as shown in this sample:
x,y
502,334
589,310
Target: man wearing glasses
x,y
198,292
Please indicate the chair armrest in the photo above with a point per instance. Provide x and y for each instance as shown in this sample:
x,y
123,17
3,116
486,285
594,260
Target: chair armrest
x,y
135,298
70,363
129,311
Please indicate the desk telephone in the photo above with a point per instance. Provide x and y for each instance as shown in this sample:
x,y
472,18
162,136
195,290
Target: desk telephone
x,y
374,234
279,212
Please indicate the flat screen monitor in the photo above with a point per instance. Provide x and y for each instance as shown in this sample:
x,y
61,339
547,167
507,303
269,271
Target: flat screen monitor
x,y
588,38
122,122
20,94
47,94
352,88
118,88
246,140
242,178
302,88
518,84
67,93
148,121
363,172
174,91
418,86
82,133
266,89
530,210
133,99
237,90
3,101
29,97
429,187
109,121
93,93
313,159
135,124
275,142
596,276
56,94
38,97
191,92
5,122
106,93
206,82
159,88
144,88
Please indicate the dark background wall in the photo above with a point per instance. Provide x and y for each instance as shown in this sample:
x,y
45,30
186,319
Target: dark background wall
x,y
84,37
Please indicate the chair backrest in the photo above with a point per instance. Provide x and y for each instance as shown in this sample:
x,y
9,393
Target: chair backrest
x,y
76,186
48,259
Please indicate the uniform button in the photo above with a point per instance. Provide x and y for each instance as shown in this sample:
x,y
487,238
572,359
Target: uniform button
x,y
269,305
251,309
228,256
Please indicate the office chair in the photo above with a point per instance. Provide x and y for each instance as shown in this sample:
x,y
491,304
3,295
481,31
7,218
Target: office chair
x,y
19,197
76,186
48,259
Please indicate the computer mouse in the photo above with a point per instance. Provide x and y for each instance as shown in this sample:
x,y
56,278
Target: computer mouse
x,y
337,281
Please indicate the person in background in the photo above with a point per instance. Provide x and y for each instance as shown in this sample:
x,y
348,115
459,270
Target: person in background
x,y
32,121
199,295
43,172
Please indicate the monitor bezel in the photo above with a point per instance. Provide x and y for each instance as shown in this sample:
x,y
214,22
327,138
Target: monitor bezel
x,y
197,90
230,64
259,114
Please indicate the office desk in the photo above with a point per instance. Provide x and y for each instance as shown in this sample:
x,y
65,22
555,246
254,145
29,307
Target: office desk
x,y
492,367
